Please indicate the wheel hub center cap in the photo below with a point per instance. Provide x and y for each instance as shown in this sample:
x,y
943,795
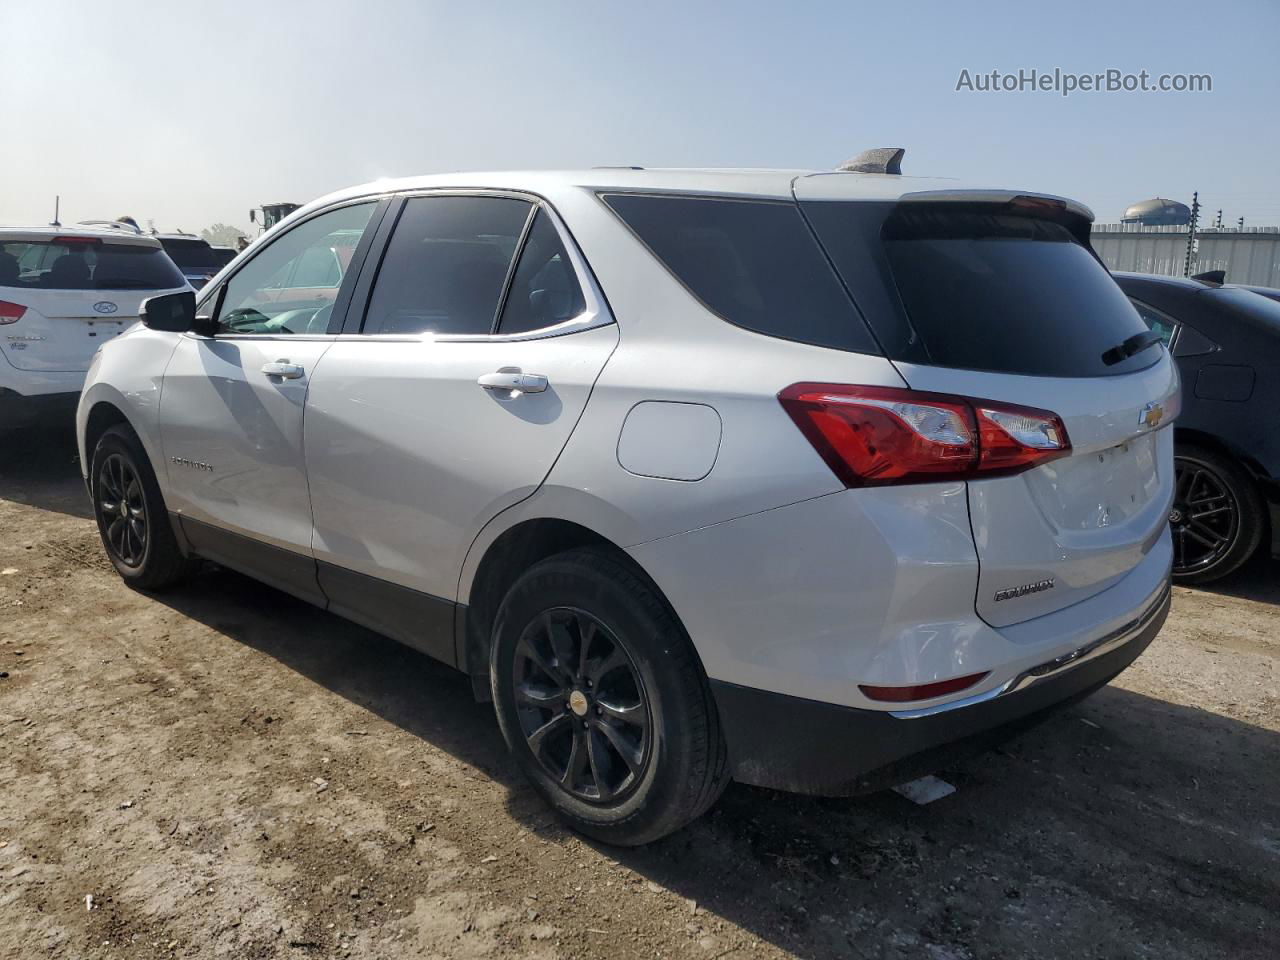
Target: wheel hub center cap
x,y
578,703
1175,515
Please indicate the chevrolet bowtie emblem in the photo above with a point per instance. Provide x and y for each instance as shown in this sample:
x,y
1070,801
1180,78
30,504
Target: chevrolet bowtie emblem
x,y
1151,415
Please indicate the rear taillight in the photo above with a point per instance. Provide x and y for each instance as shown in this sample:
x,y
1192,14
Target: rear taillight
x,y
872,436
11,312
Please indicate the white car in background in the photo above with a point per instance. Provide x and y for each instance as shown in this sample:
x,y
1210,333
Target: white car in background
x,y
63,293
789,477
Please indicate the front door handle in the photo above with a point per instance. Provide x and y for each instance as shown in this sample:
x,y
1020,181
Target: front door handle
x,y
284,369
511,381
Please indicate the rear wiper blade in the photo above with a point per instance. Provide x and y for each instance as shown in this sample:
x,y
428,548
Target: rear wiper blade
x,y
1135,344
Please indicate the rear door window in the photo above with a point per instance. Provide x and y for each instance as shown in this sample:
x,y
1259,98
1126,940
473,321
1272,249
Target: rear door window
x,y
1156,320
986,289
755,263
446,265
86,263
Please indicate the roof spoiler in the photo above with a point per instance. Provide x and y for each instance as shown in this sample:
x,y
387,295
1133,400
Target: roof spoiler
x,y
1212,278
1046,202
876,160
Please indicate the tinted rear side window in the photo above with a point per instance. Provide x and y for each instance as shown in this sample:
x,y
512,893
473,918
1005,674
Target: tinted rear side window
x,y
990,290
753,262
544,290
86,265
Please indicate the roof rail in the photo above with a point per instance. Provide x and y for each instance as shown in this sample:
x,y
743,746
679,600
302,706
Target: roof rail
x,y
876,160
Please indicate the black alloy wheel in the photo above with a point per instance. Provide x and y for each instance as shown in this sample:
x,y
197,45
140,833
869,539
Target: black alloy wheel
x,y
133,521
581,705
123,508
1217,519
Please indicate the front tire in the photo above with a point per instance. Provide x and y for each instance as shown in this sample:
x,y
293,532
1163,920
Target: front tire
x,y
603,701
1218,516
132,519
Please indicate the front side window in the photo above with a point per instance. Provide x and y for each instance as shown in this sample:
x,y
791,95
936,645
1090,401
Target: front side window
x,y
446,265
290,286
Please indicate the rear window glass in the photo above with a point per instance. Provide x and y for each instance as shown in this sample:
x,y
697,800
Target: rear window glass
x,y
91,265
990,290
190,254
753,262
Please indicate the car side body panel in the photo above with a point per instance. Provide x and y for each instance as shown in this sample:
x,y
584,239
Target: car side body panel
x,y
128,374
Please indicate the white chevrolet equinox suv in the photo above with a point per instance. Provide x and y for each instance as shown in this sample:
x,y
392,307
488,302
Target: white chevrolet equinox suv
x,y
803,479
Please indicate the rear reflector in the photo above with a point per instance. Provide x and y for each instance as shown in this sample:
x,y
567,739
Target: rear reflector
x,y
872,436
921,691
11,312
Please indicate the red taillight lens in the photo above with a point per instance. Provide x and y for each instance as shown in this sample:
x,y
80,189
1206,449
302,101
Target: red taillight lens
x,y
1018,438
873,436
11,312
921,691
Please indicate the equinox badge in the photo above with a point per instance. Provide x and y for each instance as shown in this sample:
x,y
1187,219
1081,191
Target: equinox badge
x,y
1008,593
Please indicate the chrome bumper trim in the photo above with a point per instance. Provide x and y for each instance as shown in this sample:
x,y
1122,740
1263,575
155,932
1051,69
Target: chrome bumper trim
x,y
1095,648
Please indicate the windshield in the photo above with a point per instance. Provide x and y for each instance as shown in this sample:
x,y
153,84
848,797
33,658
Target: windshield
x,y
86,264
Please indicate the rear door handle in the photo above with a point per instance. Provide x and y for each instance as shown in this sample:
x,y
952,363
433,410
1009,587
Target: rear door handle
x,y
513,381
284,369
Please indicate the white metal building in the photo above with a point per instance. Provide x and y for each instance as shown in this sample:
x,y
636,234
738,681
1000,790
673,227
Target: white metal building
x,y
1250,255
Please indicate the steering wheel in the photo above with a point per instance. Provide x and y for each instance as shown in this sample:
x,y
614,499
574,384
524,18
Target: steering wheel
x,y
319,322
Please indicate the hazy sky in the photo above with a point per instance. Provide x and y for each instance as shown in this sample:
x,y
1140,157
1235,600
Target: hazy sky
x,y
190,113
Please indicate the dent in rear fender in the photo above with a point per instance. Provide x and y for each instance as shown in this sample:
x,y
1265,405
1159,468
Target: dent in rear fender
x,y
872,586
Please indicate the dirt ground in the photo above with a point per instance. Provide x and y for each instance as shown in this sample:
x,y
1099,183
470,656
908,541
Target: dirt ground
x,y
223,771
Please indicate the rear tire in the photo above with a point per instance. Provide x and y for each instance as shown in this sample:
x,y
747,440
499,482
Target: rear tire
x,y
602,700
1218,517
132,518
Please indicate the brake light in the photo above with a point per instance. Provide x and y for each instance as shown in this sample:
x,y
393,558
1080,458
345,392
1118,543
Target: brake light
x,y
77,241
872,436
921,691
11,312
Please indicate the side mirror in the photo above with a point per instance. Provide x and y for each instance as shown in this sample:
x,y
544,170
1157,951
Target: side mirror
x,y
253,216
175,312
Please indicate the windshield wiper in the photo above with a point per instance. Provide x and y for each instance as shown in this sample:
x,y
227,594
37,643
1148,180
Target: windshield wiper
x,y
1135,344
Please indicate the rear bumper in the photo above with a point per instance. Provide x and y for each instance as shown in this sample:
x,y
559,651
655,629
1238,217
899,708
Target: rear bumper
x,y
805,746
17,410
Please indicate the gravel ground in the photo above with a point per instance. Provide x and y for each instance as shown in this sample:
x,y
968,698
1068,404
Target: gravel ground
x,y
225,771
